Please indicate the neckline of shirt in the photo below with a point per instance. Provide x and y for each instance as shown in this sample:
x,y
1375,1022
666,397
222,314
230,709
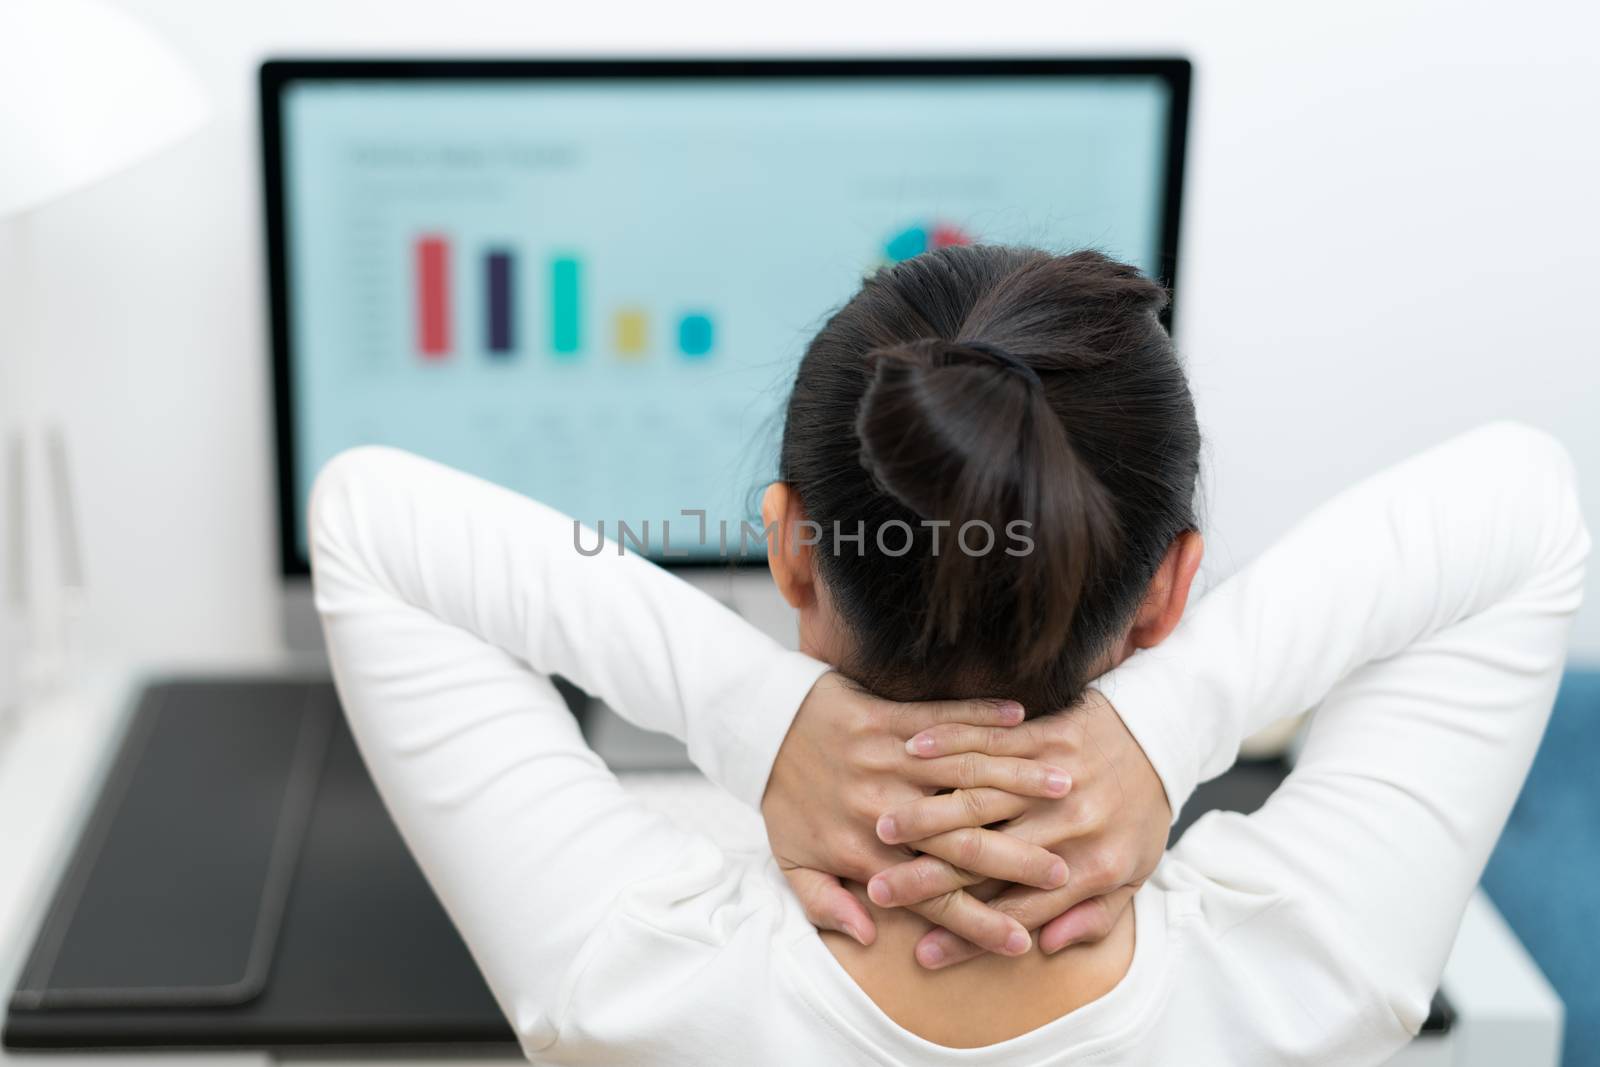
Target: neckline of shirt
x,y
1092,1029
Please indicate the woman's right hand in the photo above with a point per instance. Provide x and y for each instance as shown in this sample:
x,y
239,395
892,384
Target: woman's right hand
x,y
845,762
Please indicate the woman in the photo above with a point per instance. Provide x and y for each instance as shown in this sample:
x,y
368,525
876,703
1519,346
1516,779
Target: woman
x,y
1424,612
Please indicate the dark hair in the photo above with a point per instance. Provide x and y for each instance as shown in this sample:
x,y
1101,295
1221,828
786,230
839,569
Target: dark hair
x,y
994,385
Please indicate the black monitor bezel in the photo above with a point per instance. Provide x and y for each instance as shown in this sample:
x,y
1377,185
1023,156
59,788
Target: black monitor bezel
x,y
277,74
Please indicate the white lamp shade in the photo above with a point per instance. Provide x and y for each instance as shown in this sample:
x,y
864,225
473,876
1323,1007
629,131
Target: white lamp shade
x,y
85,91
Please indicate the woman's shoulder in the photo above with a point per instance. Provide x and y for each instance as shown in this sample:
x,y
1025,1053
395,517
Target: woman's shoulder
x,y
681,951
1257,953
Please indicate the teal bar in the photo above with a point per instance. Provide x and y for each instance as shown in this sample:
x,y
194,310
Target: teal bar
x,y
565,336
695,334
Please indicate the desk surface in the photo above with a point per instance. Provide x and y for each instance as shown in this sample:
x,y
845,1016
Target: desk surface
x,y
52,762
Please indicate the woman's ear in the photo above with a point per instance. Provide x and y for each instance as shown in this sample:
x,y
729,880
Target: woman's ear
x,y
787,555
1168,595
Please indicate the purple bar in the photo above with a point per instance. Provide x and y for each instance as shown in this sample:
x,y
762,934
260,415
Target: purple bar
x,y
498,272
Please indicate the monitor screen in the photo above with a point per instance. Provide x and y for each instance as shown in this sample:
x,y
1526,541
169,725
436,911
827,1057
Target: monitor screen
x,y
592,286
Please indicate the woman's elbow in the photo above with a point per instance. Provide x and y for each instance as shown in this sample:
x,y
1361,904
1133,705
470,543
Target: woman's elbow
x,y
334,506
1541,481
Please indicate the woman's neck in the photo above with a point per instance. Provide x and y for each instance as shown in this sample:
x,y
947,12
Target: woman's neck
x,y
988,999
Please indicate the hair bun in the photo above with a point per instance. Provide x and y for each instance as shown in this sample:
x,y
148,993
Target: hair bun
x,y
962,432
933,409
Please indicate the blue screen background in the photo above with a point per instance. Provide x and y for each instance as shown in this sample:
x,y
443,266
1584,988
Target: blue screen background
x,y
672,248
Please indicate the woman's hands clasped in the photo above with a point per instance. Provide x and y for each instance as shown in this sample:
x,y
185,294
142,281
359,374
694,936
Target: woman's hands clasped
x,y
845,762
937,805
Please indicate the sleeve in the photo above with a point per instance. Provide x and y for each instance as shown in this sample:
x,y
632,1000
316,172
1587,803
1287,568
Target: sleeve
x,y
447,602
1425,614
664,655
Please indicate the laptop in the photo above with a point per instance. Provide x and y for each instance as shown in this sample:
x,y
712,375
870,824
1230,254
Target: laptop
x,y
590,280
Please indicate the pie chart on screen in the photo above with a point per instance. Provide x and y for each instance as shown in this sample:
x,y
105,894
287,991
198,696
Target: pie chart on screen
x,y
920,237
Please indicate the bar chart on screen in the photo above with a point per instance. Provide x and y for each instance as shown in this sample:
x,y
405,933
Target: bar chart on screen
x,y
546,310
597,294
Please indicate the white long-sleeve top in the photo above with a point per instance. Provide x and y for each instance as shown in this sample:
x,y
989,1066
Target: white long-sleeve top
x,y
1424,613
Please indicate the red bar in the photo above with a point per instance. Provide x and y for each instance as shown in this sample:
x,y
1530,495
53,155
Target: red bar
x,y
433,296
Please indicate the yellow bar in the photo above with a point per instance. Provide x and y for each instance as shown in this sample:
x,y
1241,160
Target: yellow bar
x,y
629,332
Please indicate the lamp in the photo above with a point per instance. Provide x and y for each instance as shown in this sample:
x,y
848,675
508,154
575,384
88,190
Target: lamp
x,y
85,91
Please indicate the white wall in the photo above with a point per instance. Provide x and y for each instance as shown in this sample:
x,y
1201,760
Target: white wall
x,y
1392,232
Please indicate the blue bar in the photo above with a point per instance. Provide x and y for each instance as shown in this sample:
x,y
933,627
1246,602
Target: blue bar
x,y
564,305
696,334
499,271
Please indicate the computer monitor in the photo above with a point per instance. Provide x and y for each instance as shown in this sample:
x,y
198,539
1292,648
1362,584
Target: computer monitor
x,y
590,281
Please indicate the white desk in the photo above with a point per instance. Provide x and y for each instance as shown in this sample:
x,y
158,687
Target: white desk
x,y
50,769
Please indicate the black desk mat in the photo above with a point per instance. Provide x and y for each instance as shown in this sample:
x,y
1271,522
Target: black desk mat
x,y
232,822
364,954
187,919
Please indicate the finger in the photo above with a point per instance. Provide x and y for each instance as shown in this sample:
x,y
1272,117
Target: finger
x,y
948,811
829,905
1031,908
1061,827
1098,865
982,853
917,880
910,718
1092,920
955,737
966,916
969,770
